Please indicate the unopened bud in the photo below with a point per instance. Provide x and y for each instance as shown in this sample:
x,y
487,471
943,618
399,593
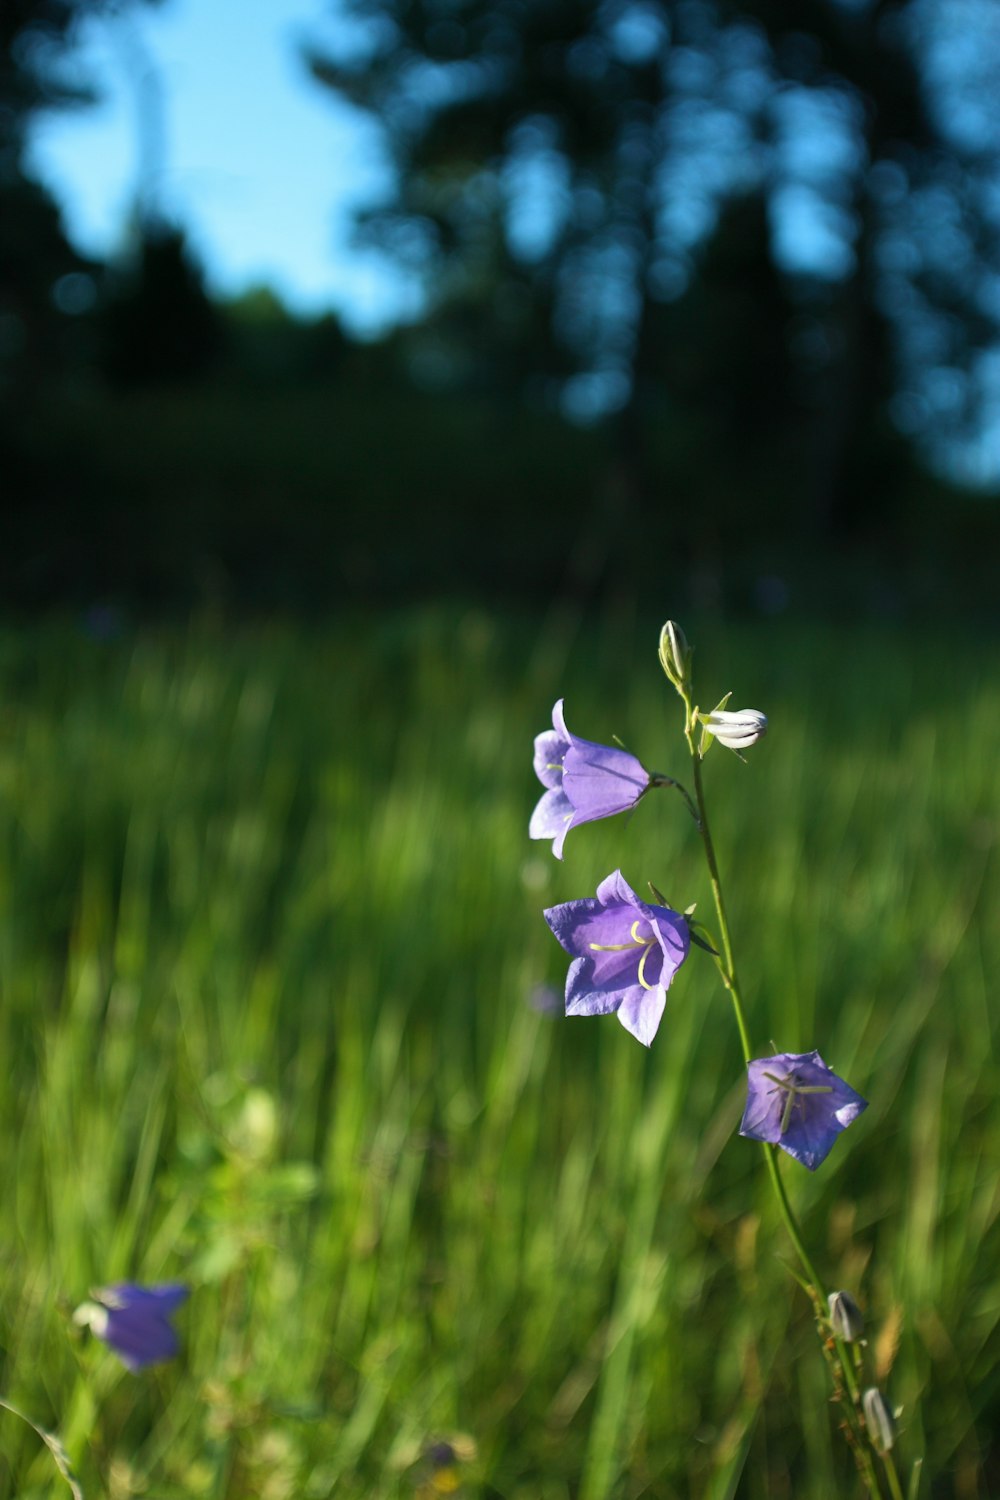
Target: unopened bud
x,y
879,1419
845,1317
675,654
737,730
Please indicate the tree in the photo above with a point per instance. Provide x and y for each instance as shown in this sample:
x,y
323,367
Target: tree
x,y
573,159
906,321
44,283
159,325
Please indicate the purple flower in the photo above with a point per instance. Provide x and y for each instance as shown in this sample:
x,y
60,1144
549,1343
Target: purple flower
x,y
134,1321
625,955
796,1102
545,999
583,781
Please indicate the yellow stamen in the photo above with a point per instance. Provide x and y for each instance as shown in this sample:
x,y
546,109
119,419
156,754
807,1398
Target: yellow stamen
x,y
637,942
642,966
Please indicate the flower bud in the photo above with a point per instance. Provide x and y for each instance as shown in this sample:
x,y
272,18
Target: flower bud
x,y
845,1317
675,654
737,730
879,1419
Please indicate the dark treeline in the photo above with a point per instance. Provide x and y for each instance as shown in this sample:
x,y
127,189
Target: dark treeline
x,y
711,308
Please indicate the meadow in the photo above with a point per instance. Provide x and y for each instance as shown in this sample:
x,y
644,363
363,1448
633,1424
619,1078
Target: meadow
x,y
277,1021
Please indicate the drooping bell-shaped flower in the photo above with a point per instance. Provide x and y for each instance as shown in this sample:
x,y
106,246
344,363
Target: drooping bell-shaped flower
x,y
583,780
134,1321
796,1102
625,955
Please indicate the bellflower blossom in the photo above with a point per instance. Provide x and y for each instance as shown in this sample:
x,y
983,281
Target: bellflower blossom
x,y
583,781
796,1102
134,1321
625,954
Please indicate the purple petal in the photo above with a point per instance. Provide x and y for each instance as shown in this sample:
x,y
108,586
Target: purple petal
x,y
552,819
604,919
675,940
641,1012
140,1337
615,888
596,984
571,919
138,1327
762,1115
585,998
550,748
165,1298
601,780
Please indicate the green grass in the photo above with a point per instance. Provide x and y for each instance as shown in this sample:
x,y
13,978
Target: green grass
x,y
270,926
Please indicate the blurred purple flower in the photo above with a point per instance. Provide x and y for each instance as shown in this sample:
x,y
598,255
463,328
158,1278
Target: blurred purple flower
x,y
796,1102
545,999
625,954
583,781
134,1321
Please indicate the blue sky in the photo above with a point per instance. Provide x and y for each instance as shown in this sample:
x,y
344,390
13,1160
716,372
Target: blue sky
x,y
259,164
262,166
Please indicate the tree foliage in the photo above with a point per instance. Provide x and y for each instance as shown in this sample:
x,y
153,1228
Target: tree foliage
x,y
754,214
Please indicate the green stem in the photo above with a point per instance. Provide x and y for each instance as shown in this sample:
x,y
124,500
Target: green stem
x,y
727,970
53,1444
792,1225
892,1476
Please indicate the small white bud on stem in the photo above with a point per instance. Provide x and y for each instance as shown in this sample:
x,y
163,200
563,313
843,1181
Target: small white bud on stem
x,y
845,1317
736,729
879,1419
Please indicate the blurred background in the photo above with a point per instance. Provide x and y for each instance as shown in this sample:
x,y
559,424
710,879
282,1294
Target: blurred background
x,y
312,303
372,376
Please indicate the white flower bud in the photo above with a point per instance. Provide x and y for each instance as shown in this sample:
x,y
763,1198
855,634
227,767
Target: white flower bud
x,y
845,1317
737,730
879,1419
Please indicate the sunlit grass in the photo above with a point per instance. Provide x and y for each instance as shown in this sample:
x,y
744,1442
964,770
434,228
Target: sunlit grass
x,y
270,934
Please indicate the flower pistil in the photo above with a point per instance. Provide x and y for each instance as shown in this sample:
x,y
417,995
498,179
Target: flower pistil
x,y
794,1091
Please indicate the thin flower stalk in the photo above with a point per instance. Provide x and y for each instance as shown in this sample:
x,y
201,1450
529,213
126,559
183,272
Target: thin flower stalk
x,y
845,1375
625,953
